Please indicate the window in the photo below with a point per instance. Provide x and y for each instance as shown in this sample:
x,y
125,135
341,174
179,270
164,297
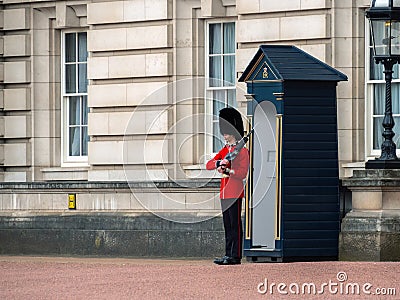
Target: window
x,y
75,106
221,46
376,101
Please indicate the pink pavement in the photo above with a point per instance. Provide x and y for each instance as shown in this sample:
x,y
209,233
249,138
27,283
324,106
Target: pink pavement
x,y
24,277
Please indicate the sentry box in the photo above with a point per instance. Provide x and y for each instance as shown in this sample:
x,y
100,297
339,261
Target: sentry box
x,y
292,198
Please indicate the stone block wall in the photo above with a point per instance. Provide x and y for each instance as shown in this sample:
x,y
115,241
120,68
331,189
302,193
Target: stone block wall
x,y
371,230
127,64
111,219
160,198
106,234
15,117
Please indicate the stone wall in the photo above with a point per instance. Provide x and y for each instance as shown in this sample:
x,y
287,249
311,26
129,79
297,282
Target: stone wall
x,y
120,219
109,234
199,196
371,230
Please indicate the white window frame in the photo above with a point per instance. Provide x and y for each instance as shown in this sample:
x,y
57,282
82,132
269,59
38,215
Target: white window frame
x,y
66,159
370,152
209,90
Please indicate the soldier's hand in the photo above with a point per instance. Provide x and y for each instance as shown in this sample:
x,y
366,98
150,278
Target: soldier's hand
x,y
220,169
224,162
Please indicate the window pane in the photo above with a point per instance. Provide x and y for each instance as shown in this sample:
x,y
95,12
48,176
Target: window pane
x,y
70,47
396,130
232,98
218,140
84,110
381,36
396,98
379,99
229,38
85,139
218,102
215,71
70,78
82,82
74,141
229,70
378,129
82,46
74,111
381,3
376,70
395,71
395,49
215,39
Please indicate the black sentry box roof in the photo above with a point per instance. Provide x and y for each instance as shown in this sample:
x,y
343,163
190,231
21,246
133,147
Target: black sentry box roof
x,y
288,62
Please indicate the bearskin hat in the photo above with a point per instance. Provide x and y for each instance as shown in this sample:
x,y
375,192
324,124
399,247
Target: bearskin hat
x,y
230,122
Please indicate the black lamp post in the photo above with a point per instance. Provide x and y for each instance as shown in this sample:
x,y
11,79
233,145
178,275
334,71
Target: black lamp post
x,y
384,18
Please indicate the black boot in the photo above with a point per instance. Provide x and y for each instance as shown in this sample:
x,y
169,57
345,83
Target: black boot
x,y
220,260
226,260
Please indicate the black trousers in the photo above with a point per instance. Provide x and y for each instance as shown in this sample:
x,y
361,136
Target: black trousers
x,y
231,213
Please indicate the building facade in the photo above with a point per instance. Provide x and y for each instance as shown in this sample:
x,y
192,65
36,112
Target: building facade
x,y
99,93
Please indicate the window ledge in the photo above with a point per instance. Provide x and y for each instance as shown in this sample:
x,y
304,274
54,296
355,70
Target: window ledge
x,y
350,167
63,173
199,172
195,167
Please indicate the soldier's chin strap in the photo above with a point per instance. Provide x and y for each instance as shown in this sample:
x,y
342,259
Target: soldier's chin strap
x,y
231,145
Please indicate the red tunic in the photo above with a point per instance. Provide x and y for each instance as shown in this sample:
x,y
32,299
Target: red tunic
x,y
232,186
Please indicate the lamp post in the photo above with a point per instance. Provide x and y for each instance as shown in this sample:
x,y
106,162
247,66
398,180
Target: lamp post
x,y
384,19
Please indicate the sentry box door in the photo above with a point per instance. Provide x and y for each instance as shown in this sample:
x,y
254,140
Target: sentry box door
x,y
265,205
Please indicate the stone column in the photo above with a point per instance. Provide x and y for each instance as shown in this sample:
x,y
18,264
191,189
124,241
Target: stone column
x,y
371,230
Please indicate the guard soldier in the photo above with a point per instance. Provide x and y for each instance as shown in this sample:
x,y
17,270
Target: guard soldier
x,y
233,165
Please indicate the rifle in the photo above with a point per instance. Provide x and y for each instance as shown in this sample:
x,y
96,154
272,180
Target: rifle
x,y
232,155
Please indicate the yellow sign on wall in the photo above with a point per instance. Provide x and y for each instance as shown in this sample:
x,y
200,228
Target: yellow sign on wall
x,y
71,201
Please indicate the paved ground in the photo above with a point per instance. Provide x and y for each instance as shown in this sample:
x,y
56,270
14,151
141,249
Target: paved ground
x,y
105,278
